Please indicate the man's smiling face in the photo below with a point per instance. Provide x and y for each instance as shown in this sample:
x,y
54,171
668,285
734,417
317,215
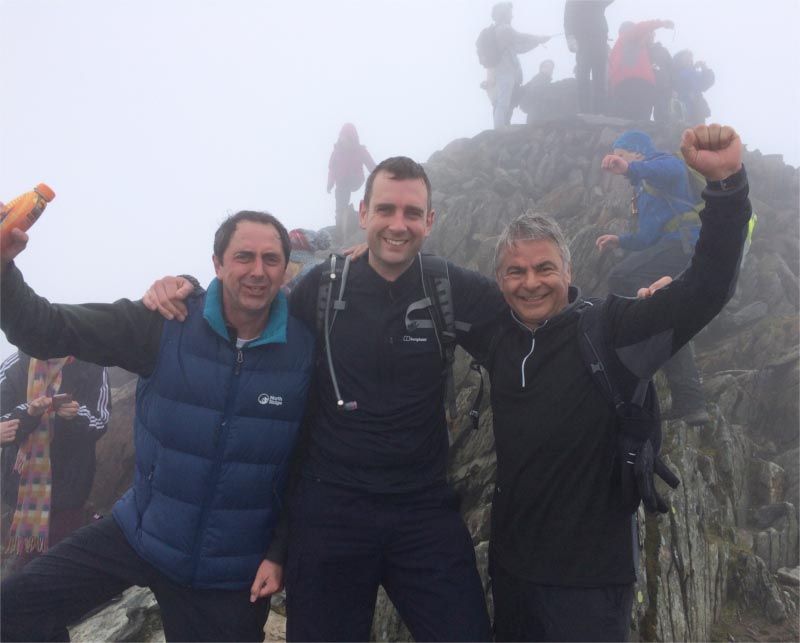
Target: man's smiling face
x,y
251,272
534,280
397,221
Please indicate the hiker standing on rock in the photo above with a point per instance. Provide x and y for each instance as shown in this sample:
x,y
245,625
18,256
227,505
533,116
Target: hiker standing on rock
x,y
346,173
690,79
498,48
631,79
586,29
571,465
667,230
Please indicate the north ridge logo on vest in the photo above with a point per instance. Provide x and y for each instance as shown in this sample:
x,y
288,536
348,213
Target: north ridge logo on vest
x,y
409,338
275,400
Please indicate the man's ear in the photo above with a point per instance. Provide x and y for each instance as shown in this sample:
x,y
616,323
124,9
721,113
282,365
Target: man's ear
x,y
362,215
429,222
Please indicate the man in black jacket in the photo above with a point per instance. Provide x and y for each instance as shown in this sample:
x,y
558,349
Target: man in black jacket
x,y
561,545
372,481
372,506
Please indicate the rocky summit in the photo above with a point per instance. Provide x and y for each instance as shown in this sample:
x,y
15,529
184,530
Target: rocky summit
x,y
723,563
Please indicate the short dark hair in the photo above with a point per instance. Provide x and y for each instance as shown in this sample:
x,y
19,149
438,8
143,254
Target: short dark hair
x,y
400,168
222,237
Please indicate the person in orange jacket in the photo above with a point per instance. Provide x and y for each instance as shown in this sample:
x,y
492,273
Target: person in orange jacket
x,y
632,83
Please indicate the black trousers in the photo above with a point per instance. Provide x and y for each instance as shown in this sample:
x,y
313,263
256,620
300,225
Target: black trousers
x,y
95,564
591,61
346,543
525,611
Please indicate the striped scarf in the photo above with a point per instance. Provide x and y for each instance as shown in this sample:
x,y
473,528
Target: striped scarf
x,y
31,525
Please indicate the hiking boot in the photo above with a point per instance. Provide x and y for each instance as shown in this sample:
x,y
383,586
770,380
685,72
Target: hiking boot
x,y
694,417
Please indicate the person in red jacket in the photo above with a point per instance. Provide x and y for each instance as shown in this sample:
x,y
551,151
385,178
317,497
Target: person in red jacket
x,y
346,169
632,83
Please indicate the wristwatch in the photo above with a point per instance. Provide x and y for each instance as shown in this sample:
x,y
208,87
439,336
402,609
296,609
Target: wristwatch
x,y
730,183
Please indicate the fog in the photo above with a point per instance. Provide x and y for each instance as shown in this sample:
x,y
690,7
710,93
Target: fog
x,y
154,119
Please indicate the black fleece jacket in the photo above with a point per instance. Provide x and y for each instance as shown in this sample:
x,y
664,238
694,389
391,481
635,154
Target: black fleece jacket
x,y
557,516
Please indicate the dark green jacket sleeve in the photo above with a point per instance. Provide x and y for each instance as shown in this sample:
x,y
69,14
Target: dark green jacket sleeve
x,y
124,333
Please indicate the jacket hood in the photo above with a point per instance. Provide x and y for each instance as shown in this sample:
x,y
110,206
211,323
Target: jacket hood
x,y
635,141
348,134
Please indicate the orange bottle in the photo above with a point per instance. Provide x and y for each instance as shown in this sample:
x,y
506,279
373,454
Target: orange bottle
x,y
23,212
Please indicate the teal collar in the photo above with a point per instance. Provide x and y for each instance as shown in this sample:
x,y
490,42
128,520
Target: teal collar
x,y
273,333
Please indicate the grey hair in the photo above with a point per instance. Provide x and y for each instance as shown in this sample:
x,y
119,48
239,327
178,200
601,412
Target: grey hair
x,y
530,226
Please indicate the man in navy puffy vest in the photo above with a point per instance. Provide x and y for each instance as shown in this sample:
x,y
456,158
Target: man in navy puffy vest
x,y
372,506
218,407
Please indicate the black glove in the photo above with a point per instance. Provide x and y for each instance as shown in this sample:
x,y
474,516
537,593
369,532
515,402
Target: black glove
x,y
645,465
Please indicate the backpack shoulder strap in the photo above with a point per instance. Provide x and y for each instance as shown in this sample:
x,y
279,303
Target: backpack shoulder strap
x,y
594,350
685,216
477,365
596,353
594,347
332,280
437,275
438,300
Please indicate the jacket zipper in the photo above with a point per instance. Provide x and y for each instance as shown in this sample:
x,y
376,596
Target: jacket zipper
x,y
525,359
220,435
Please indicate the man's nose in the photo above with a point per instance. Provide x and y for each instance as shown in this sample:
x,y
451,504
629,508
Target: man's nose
x,y
397,222
531,279
259,268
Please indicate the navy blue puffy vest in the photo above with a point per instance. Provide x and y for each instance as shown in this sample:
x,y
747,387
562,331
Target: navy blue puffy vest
x,y
214,430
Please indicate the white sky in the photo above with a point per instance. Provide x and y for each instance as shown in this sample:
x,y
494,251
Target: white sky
x,y
154,119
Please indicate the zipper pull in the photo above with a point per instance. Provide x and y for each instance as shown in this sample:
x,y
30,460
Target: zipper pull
x,y
239,361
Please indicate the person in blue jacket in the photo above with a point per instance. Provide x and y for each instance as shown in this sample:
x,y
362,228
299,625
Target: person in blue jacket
x,y
219,404
689,80
663,243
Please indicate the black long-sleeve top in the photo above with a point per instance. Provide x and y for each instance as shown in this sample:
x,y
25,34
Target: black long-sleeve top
x,y
557,515
395,439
